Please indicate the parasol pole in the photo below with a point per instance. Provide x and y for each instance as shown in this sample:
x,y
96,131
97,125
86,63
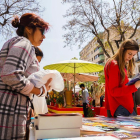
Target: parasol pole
x,y
74,83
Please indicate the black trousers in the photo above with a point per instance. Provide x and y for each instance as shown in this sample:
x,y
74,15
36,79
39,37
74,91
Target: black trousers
x,y
85,109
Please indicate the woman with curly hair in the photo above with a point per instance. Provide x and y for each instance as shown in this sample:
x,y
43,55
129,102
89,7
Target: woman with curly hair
x,y
17,61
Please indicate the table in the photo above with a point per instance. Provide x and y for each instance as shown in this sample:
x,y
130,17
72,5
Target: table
x,y
97,110
103,111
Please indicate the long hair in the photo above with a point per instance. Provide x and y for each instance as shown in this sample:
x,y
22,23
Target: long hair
x,y
128,44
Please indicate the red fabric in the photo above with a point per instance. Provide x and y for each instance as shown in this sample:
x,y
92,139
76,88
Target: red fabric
x,y
138,110
103,111
103,104
116,93
66,109
96,110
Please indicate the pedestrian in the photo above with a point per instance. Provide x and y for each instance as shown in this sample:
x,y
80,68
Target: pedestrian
x,y
118,95
85,96
17,62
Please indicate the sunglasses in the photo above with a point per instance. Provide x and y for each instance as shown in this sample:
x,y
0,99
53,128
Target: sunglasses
x,y
43,31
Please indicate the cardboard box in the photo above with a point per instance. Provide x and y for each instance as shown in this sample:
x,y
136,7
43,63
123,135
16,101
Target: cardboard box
x,y
57,133
59,121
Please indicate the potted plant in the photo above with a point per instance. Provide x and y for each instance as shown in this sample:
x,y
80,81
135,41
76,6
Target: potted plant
x,y
60,101
48,101
90,108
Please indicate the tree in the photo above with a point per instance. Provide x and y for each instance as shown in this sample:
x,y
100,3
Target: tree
x,y
96,18
101,77
10,8
74,58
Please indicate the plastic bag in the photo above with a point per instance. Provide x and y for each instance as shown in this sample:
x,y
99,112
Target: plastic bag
x,y
40,105
41,77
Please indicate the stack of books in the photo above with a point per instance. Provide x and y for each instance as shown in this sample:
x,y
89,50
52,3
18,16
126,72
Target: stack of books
x,y
57,126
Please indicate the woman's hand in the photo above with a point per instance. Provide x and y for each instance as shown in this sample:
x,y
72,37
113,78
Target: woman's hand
x,y
36,91
137,84
47,84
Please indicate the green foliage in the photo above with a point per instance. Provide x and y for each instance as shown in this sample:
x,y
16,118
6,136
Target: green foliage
x,y
90,113
48,101
74,58
60,100
101,77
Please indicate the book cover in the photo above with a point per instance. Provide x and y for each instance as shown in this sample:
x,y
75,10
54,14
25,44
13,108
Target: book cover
x,y
119,135
58,121
85,138
134,79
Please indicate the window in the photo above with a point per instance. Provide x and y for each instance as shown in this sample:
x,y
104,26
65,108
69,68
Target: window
x,y
88,48
88,55
96,49
96,56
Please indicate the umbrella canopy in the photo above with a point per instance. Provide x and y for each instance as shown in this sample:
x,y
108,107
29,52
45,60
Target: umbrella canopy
x,y
75,66
80,77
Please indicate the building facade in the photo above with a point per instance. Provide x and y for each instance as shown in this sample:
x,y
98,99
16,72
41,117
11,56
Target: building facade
x,y
94,53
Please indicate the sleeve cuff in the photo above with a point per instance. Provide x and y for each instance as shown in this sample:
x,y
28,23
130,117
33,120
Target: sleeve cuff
x,y
27,89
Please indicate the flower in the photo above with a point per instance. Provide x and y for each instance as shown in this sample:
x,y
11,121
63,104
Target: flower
x,y
90,102
60,100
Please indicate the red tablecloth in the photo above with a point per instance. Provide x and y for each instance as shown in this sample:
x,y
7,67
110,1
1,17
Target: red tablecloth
x,y
54,109
138,110
97,110
103,111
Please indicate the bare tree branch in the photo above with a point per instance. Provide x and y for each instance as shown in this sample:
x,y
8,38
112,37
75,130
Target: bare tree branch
x,y
10,8
90,18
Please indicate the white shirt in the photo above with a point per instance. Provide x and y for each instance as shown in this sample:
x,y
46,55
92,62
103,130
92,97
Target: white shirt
x,y
85,96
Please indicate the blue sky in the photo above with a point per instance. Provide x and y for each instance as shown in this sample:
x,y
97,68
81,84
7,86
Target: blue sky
x,y
53,45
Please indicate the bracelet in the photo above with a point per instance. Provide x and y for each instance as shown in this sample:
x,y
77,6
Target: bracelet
x,y
41,92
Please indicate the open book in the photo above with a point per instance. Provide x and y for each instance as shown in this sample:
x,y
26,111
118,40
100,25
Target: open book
x,y
134,79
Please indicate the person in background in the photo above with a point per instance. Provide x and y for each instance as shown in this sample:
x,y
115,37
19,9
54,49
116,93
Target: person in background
x,y
38,53
85,96
39,56
102,95
118,95
17,62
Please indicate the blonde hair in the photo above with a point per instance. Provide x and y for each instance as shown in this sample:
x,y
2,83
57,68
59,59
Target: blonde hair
x,y
128,44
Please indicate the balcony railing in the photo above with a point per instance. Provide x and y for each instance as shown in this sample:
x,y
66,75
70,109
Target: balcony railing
x,y
100,50
101,57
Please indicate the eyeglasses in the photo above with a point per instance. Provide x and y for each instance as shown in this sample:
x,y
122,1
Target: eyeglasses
x,y
43,31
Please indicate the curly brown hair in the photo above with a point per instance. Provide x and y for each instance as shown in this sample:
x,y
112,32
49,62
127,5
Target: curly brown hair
x,y
28,20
